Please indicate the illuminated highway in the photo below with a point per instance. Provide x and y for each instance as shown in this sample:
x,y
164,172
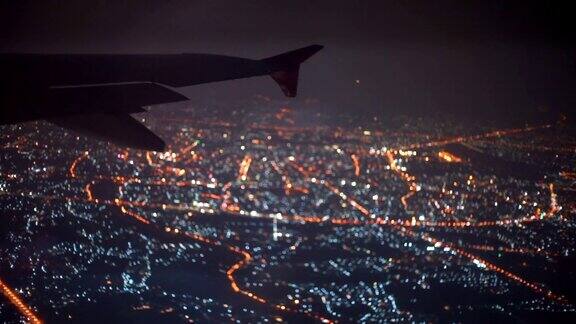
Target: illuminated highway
x,y
20,305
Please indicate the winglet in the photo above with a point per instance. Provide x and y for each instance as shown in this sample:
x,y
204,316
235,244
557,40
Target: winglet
x,y
284,67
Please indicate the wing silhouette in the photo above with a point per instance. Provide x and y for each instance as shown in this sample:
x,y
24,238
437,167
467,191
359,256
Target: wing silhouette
x,y
94,93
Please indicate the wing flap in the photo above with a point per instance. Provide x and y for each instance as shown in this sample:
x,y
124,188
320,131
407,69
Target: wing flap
x,y
119,129
111,98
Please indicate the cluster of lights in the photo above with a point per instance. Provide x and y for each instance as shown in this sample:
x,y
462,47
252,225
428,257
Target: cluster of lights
x,y
449,157
246,257
356,162
244,167
461,139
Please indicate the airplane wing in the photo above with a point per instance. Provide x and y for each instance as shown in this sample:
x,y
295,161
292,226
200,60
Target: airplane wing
x,y
120,129
107,118
94,94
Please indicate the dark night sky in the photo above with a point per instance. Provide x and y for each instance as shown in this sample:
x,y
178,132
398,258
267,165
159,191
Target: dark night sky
x,y
430,56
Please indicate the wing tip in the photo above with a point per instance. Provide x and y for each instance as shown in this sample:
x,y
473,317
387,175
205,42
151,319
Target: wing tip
x,y
285,67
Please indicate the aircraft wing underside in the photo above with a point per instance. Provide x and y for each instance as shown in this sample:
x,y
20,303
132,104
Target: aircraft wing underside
x,y
89,99
120,129
113,98
102,111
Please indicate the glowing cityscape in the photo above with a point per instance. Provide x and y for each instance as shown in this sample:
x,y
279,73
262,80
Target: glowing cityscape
x,y
252,215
